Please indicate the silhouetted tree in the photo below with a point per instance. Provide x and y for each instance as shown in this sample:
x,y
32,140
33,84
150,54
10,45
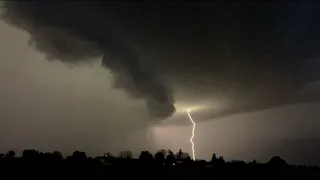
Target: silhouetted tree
x,y
277,161
180,155
164,152
238,163
170,158
10,154
254,162
160,157
170,153
108,157
79,156
145,157
220,161
48,157
57,155
186,157
214,160
214,157
30,154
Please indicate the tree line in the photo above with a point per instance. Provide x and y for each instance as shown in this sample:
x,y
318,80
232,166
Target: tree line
x,y
165,163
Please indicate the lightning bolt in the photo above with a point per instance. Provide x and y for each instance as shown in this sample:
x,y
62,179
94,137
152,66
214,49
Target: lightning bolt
x,y
192,136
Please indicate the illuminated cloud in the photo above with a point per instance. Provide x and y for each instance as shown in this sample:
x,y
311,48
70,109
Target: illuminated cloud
x,y
243,56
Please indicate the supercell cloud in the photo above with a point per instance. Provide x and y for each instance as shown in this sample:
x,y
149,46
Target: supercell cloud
x,y
73,33
249,56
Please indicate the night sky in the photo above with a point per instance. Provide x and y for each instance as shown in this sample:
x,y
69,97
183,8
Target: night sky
x,y
115,76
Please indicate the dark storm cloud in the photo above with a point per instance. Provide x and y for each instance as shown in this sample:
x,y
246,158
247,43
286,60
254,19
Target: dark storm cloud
x,y
251,56
74,33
